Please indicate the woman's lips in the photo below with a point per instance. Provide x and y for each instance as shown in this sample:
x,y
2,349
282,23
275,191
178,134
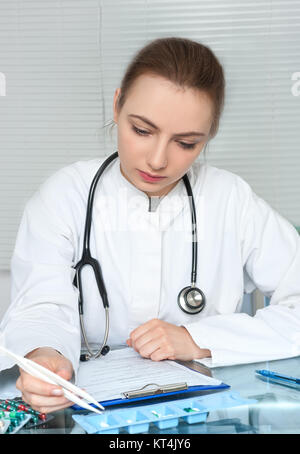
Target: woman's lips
x,y
147,177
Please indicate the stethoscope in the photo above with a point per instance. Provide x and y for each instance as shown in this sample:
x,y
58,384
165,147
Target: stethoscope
x,y
191,299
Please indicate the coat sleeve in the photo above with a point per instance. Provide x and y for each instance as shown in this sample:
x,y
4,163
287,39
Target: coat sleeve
x,y
43,309
270,251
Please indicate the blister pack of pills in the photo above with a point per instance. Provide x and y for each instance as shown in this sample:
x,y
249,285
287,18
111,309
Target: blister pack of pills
x,y
12,421
20,413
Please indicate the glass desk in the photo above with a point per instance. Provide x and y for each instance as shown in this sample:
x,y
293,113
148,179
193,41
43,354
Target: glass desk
x,y
277,409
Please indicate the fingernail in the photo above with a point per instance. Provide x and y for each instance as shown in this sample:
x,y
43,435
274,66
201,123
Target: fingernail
x,y
56,392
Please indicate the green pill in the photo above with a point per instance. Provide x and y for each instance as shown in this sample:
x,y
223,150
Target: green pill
x,y
21,415
189,410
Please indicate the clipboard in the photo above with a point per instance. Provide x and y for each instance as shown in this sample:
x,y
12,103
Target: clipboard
x,y
138,395
161,391
155,391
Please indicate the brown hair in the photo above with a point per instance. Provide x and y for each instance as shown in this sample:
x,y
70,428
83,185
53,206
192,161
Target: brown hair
x,y
186,63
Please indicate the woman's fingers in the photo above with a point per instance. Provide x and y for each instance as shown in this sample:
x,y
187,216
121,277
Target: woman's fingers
x,y
38,401
30,384
158,340
39,394
149,347
45,405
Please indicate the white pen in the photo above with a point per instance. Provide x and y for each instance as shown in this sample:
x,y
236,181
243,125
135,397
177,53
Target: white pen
x,y
38,371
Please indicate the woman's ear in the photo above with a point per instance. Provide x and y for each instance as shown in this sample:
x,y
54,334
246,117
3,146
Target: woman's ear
x,y
116,99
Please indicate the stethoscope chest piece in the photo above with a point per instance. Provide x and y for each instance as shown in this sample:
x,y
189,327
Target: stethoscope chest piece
x,y
191,300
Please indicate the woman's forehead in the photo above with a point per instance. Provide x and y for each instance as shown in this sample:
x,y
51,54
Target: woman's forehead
x,y
161,101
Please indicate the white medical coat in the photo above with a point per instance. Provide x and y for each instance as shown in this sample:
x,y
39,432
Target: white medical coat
x,y
146,260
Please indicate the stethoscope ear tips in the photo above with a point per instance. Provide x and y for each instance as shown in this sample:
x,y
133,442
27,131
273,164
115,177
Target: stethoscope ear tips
x,y
84,357
105,350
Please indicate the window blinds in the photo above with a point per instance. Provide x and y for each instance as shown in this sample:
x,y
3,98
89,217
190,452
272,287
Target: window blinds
x,y
62,61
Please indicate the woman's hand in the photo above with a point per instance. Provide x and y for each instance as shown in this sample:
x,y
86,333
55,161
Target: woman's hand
x,y
42,396
160,340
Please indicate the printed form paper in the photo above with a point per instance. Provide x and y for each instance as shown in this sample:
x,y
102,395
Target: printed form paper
x,y
124,370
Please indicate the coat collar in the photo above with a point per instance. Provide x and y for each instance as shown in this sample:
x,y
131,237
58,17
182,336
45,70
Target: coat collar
x,y
170,206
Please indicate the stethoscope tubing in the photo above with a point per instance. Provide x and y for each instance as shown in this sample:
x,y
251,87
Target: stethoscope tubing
x,y
87,259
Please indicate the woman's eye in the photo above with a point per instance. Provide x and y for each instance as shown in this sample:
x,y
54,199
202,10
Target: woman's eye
x,y
142,132
187,145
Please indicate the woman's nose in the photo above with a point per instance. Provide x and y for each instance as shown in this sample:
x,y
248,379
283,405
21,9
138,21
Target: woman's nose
x,y
157,157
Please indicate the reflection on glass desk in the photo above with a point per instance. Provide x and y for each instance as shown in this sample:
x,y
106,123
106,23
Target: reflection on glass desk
x,y
277,409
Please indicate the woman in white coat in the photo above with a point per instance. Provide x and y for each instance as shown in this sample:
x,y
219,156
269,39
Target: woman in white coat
x,y
167,109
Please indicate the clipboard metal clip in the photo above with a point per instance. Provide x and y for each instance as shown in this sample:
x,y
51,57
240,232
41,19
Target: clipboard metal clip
x,y
143,392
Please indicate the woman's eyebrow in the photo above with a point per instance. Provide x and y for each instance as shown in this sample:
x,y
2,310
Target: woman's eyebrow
x,y
182,134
